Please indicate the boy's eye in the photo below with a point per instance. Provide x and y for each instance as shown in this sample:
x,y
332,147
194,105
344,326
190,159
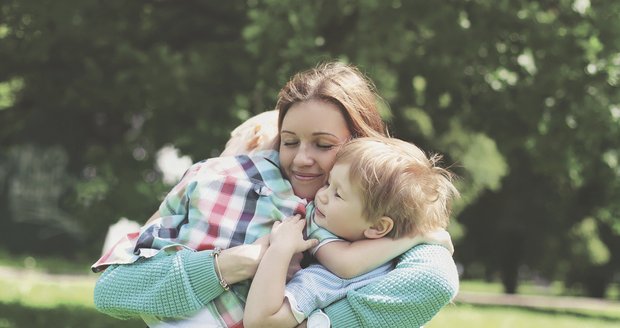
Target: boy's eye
x,y
325,146
337,195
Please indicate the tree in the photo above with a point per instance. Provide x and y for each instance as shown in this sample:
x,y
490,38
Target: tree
x,y
520,96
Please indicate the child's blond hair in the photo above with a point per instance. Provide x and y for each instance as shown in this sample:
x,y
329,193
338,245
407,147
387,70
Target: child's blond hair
x,y
399,181
257,133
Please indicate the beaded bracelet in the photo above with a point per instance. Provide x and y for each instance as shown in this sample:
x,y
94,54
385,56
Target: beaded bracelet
x,y
216,252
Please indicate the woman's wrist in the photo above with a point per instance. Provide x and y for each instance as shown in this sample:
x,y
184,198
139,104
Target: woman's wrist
x,y
239,263
200,269
216,254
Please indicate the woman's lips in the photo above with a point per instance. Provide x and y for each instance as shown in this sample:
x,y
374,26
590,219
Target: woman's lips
x,y
305,176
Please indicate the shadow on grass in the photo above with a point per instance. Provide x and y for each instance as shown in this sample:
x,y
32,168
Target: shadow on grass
x,y
15,315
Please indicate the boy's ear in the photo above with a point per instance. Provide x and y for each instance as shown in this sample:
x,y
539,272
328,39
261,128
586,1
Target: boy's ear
x,y
382,227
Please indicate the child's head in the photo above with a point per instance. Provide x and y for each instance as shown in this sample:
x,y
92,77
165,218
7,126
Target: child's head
x,y
256,133
397,180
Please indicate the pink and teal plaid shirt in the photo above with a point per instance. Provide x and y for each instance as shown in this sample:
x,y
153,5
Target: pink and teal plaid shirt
x,y
220,202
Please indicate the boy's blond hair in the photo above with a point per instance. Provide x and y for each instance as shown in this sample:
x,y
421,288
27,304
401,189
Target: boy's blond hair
x,y
399,181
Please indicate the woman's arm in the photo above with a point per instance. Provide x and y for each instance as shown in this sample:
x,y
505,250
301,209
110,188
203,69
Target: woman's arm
x,y
173,285
155,286
423,282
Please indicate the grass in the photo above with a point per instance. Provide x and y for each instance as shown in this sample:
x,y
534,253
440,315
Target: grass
x,y
18,315
30,299
464,315
30,289
44,264
555,288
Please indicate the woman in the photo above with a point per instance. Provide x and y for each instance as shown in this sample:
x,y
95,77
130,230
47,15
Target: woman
x,y
319,110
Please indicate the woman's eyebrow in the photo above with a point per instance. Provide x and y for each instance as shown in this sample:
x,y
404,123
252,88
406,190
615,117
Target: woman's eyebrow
x,y
324,134
316,134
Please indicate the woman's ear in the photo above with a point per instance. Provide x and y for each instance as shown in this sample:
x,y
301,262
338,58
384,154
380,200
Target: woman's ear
x,y
382,227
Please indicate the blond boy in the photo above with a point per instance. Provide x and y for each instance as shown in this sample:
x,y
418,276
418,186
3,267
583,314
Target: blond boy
x,y
381,191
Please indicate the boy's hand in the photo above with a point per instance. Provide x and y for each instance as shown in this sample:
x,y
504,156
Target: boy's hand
x,y
438,237
288,235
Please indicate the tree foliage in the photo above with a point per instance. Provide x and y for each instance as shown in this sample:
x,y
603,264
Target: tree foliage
x,y
520,96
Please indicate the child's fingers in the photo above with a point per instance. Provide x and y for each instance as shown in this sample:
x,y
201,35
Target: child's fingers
x,y
310,243
293,218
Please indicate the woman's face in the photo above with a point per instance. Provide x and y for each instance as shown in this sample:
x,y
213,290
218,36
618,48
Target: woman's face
x,y
312,132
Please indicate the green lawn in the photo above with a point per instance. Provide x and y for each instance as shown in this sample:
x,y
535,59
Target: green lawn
x,y
556,288
28,299
31,290
464,315
17,315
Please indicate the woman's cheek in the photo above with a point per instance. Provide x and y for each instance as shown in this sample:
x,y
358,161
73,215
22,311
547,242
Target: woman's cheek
x,y
285,163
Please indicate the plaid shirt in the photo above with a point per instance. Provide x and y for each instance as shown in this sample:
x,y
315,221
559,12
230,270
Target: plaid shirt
x,y
220,202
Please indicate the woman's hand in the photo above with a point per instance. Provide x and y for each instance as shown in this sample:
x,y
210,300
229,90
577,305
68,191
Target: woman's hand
x,y
240,262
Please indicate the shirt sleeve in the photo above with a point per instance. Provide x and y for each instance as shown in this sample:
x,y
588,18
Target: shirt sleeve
x,y
167,285
315,231
157,234
423,282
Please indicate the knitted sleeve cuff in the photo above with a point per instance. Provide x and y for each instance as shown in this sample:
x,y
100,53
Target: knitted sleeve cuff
x,y
341,314
200,270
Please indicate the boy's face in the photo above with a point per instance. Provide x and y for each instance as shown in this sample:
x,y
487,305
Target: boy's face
x,y
339,205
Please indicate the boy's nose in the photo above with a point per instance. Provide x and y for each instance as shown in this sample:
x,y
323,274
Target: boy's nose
x,y
321,195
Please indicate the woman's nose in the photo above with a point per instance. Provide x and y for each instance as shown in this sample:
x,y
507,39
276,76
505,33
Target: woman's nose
x,y
303,157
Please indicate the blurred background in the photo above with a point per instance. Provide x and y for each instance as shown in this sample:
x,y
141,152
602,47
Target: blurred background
x,y
104,103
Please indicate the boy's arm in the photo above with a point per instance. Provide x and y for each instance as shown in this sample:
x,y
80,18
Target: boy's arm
x,y
423,282
350,259
266,305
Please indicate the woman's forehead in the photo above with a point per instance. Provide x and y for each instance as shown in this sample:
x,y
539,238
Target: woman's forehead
x,y
315,118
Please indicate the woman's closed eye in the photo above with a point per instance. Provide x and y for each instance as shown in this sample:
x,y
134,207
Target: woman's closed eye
x,y
291,143
325,146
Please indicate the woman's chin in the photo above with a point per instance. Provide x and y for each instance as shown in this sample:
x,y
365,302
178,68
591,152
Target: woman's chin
x,y
305,192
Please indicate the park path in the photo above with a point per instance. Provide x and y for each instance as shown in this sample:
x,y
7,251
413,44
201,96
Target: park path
x,y
530,301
